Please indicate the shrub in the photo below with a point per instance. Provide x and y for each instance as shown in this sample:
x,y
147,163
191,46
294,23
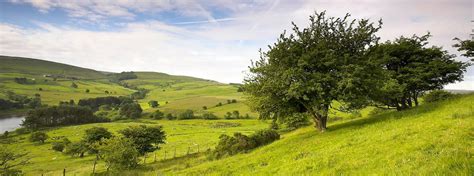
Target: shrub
x,y
131,110
77,148
38,136
119,153
158,115
87,91
58,146
153,104
437,95
188,114
170,116
74,85
240,143
204,107
209,116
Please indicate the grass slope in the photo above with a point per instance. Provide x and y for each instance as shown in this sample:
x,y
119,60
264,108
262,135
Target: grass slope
x,y
433,139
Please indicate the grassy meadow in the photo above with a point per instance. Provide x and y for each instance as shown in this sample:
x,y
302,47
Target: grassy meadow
x,y
432,139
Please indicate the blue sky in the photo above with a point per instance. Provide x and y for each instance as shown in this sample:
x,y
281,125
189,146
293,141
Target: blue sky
x,y
213,39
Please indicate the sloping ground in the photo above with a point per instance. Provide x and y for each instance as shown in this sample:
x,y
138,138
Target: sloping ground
x,y
42,67
433,139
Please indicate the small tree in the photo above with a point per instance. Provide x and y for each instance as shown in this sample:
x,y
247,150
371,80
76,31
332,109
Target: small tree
x,y
87,90
170,116
145,138
58,146
77,149
38,136
204,107
131,110
153,104
235,114
158,115
96,134
9,160
119,153
209,116
188,114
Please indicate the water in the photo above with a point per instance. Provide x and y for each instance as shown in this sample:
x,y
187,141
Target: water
x,y
10,123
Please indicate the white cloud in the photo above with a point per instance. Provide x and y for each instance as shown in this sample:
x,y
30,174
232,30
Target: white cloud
x,y
218,49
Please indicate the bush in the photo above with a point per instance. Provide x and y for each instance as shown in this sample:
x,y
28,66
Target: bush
x,y
38,136
188,114
437,95
153,104
158,115
58,146
131,110
209,116
297,121
119,153
240,143
170,116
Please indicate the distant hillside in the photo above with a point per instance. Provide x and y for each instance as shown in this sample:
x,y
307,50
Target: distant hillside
x,y
42,67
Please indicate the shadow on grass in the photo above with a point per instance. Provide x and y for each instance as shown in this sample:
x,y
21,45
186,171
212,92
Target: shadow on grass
x,y
415,111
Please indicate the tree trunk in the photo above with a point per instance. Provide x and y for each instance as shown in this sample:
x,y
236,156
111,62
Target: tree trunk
x,y
95,163
320,119
415,98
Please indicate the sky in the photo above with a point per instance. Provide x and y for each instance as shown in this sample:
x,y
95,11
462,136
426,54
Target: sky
x,y
211,39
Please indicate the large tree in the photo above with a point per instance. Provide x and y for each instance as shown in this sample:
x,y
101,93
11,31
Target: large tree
x,y
412,68
304,72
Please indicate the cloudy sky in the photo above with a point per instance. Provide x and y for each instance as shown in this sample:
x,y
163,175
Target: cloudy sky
x,y
213,39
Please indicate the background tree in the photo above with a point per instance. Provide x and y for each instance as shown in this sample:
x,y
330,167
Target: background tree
x,y
38,136
153,103
412,69
9,160
77,149
94,136
119,153
306,71
145,138
74,85
131,110
466,46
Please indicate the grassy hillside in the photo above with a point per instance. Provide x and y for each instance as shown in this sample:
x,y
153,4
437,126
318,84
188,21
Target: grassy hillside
x,y
202,134
433,139
42,67
174,93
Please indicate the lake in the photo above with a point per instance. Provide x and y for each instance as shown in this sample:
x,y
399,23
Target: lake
x,y
10,123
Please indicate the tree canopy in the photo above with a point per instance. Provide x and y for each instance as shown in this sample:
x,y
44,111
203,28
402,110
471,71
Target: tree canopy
x,y
304,72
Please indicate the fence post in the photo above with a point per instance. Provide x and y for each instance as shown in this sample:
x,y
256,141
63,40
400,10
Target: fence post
x,y
198,148
64,172
187,153
155,157
165,156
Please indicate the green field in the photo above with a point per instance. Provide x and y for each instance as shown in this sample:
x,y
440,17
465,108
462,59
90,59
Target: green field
x,y
432,139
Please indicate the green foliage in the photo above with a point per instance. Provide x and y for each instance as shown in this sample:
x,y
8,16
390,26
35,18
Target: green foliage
x,y
153,103
139,94
145,138
412,68
209,116
95,103
131,110
9,161
117,77
77,149
158,115
240,143
466,46
187,114
96,134
38,136
58,146
297,121
170,116
60,115
306,71
119,153
437,95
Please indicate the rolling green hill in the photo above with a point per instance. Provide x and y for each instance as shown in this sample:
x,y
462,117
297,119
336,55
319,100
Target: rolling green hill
x,y
433,139
174,93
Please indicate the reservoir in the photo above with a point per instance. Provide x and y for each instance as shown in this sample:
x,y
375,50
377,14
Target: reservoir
x,y
10,123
